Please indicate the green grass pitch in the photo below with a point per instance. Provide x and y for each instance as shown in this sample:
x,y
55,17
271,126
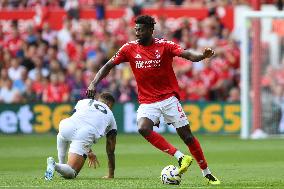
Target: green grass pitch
x,y
237,163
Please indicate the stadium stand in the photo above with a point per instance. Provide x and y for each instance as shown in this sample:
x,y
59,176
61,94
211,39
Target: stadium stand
x,y
42,64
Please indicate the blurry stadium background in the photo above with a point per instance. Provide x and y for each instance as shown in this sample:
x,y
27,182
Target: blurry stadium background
x,y
50,50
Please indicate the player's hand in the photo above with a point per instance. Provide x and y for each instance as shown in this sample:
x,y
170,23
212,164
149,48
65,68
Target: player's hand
x,y
108,177
93,160
208,52
91,91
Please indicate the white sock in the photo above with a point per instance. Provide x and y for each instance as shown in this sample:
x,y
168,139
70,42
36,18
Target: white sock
x,y
65,170
206,172
62,145
178,154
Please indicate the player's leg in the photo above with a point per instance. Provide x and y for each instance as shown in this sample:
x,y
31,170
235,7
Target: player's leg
x,y
147,117
193,145
62,146
72,168
66,133
69,170
173,114
82,140
196,150
145,126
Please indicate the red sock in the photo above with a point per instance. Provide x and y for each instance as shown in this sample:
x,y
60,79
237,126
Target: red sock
x,y
196,150
160,142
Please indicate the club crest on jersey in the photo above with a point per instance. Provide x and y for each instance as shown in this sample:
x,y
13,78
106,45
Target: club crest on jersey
x,y
157,54
138,56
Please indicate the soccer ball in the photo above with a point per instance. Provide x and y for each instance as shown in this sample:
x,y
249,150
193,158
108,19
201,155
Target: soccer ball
x,y
169,175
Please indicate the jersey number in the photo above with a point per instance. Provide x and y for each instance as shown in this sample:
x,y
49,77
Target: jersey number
x,y
98,107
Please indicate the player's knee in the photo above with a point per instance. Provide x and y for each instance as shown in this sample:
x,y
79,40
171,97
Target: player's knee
x,y
188,139
70,175
144,131
145,126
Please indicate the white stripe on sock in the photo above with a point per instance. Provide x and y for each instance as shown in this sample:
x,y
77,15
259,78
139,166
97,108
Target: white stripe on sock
x,y
178,154
206,172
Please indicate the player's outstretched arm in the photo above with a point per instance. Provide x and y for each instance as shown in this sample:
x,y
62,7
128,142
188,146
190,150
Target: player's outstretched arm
x,y
102,73
196,56
110,148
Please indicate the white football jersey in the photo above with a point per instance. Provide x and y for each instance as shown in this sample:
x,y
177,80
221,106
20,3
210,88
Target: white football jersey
x,y
96,114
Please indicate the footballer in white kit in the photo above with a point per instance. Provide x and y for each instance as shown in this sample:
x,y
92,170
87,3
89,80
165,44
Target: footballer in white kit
x,y
91,120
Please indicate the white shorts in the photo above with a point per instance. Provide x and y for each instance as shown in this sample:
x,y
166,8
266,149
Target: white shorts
x,y
80,136
170,109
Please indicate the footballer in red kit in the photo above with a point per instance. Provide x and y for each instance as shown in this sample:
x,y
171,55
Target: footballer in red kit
x,y
151,62
152,68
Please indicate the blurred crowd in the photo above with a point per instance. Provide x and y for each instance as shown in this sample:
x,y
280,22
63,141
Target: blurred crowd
x,y
12,4
41,64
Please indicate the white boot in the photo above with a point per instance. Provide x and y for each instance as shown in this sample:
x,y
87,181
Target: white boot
x,y
49,173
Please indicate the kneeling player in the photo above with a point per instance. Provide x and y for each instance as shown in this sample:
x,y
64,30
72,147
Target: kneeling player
x,y
91,120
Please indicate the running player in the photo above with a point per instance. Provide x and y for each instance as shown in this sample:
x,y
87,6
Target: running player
x,y
92,119
151,62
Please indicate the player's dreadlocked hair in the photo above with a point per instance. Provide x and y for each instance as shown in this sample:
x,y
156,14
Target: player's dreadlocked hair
x,y
146,19
106,96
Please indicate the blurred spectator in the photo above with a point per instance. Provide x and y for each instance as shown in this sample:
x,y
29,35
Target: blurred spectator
x,y
234,95
38,69
8,94
48,34
77,85
126,91
28,52
16,70
64,35
3,77
14,42
209,34
100,9
19,84
29,95
196,88
38,85
56,90
72,9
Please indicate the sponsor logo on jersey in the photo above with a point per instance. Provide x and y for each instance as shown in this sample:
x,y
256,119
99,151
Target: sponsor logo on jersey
x,y
138,56
148,64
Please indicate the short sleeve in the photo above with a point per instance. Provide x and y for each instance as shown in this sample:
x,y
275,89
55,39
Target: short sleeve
x,y
80,104
120,56
76,108
173,48
113,124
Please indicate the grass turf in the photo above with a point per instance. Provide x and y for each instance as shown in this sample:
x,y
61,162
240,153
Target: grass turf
x,y
237,163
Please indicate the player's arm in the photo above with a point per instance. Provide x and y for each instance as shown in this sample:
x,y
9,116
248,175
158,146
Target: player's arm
x,y
102,73
110,148
197,56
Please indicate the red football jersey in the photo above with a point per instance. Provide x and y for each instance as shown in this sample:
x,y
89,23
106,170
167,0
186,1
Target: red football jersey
x,y
152,68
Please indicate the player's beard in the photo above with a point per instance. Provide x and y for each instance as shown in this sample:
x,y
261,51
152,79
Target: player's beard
x,y
144,40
